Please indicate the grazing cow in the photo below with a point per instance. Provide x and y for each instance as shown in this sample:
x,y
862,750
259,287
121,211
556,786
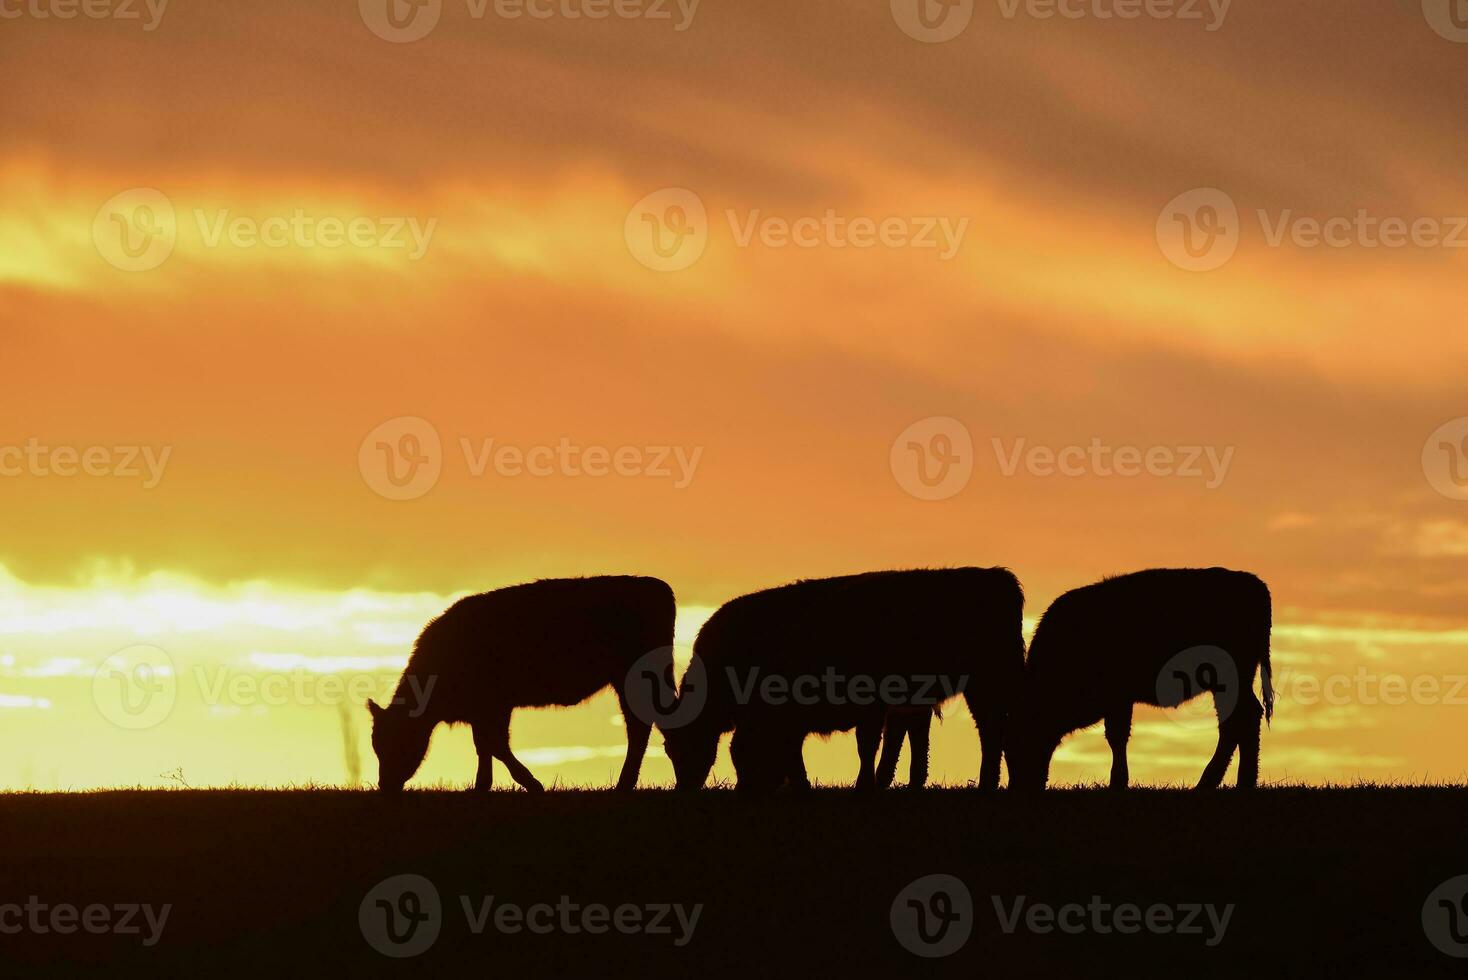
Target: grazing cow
x,y
551,642
827,655
1156,637
764,758
911,724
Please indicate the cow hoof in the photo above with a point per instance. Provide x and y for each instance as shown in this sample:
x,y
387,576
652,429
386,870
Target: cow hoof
x,y
534,786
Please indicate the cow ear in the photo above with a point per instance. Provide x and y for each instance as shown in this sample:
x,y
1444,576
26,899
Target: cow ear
x,y
374,709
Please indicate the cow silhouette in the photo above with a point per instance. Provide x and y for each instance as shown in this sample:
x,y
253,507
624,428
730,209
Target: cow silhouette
x,y
551,642
913,725
1160,637
858,646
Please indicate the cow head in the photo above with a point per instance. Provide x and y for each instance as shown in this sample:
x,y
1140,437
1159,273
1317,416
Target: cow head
x,y
691,750
400,741
1030,741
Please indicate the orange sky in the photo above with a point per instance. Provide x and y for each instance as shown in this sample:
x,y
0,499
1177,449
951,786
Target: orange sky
x,y
790,371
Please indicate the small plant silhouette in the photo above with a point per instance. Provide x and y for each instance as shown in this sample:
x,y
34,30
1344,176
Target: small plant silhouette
x,y
177,776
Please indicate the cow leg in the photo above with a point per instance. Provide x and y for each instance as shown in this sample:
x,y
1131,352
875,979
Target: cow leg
x,y
1228,740
990,722
484,775
917,745
496,739
795,761
1249,714
988,716
1118,733
757,759
637,735
1218,765
892,734
868,739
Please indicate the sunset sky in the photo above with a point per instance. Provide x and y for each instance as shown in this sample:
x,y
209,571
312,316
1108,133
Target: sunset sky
x,y
504,176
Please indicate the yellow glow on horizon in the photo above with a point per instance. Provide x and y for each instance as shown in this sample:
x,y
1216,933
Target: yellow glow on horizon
x,y
257,661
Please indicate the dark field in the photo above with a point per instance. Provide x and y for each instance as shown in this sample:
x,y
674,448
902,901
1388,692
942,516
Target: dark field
x,y
270,883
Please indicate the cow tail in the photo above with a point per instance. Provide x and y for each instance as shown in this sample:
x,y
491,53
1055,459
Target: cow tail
x,y
1266,676
1266,670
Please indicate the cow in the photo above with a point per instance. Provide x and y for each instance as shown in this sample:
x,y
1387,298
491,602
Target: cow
x,y
1160,637
550,642
902,723
825,655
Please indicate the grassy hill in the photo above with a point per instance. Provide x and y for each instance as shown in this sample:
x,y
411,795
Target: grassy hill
x,y
1329,881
